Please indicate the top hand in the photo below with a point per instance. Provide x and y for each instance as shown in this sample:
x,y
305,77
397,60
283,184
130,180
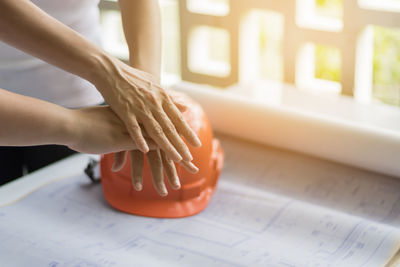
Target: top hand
x,y
134,96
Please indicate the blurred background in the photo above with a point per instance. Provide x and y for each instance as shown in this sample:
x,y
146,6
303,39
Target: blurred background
x,y
325,47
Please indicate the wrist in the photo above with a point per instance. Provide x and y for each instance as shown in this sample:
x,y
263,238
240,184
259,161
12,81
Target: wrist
x,y
103,70
152,70
66,131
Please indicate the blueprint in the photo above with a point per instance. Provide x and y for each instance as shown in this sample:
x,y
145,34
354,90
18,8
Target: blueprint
x,y
271,208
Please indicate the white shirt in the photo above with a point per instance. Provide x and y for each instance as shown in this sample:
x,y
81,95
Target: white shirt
x,y
27,75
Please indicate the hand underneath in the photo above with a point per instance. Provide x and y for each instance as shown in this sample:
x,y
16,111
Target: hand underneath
x,y
98,130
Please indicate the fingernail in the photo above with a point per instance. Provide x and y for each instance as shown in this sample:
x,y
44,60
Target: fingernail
x,y
188,156
114,168
178,158
177,185
145,148
194,167
138,186
198,142
161,189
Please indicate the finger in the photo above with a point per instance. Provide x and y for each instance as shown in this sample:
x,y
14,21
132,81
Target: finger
x,y
156,167
137,169
152,145
189,166
180,105
170,171
156,132
136,133
178,100
119,161
180,124
172,135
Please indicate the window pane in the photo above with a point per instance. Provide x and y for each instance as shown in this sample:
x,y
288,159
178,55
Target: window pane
x,y
211,7
171,37
323,15
385,5
327,63
209,51
261,41
386,72
113,38
330,8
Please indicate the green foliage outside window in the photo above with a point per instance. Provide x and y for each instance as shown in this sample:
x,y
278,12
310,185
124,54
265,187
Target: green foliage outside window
x,y
386,77
386,59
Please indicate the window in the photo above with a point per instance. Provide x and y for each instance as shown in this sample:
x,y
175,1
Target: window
x,y
323,46
208,51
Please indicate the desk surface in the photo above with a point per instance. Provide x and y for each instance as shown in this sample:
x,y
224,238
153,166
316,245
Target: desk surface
x,y
267,198
19,188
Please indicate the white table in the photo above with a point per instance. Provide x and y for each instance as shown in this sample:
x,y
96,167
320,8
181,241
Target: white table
x,y
19,188
267,199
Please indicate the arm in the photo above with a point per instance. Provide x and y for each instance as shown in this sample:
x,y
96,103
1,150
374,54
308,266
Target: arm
x,y
26,121
141,22
142,28
130,92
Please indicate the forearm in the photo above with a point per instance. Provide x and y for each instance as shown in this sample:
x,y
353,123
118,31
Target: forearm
x,y
142,28
26,27
25,121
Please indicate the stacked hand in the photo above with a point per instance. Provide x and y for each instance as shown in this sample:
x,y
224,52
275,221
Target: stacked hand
x,y
159,164
148,111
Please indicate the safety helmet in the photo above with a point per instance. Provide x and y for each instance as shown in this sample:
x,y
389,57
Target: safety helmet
x,y
196,189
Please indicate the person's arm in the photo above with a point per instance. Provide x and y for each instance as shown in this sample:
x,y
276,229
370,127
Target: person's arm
x,y
142,28
141,22
26,121
133,96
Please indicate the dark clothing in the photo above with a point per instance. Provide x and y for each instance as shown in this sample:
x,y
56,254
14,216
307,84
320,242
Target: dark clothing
x,y
15,161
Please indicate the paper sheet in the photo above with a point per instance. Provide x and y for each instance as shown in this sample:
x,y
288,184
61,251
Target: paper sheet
x,y
271,208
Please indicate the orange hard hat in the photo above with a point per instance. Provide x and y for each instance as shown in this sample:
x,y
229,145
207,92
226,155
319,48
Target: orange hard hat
x,y
196,189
